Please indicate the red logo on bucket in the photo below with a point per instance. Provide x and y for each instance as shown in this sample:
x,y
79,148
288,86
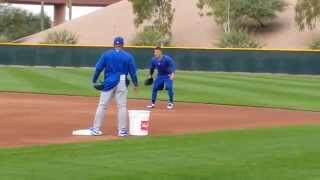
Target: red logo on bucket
x,y
144,125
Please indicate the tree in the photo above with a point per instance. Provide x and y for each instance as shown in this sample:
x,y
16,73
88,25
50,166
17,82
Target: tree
x,y
307,13
315,44
16,23
3,39
2,2
69,5
239,12
238,39
150,37
160,12
61,37
42,16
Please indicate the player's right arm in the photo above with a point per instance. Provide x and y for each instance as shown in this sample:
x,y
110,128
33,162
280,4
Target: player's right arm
x,y
133,71
152,67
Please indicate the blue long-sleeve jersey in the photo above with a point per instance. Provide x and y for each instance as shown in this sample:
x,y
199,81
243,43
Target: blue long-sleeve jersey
x,y
165,65
115,62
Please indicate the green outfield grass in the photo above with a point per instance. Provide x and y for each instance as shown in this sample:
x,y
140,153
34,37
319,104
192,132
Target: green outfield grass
x,y
280,91
290,153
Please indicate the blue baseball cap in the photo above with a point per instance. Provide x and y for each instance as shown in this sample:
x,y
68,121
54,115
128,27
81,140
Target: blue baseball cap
x,y
118,41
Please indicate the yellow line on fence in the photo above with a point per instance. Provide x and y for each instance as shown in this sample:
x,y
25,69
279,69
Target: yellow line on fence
x,y
169,47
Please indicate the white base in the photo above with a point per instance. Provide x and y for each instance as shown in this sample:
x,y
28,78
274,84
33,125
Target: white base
x,y
82,132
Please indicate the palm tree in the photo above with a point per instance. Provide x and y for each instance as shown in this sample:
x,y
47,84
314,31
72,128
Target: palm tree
x,y
69,5
42,15
227,24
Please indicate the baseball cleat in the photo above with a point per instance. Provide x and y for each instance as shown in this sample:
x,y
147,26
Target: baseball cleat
x,y
151,106
123,133
170,106
95,132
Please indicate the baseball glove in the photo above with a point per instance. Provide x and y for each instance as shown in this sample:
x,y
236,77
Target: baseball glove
x,y
148,81
99,86
127,82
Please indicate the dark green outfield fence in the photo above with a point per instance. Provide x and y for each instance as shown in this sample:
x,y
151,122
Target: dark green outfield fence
x,y
228,60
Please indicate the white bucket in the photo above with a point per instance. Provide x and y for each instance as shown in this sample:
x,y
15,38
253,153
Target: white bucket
x,y
139,122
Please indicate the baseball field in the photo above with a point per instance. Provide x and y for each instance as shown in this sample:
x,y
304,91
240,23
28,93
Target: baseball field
x,y
224,126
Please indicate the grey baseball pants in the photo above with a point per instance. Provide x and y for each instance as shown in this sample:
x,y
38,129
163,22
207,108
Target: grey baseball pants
x,y
120,93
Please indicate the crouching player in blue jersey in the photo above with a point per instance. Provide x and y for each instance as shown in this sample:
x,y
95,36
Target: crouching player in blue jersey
x,y
166,71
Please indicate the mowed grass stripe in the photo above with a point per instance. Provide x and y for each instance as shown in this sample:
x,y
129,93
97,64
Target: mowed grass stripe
x,y
306,78
263,94
75,79
44,81
11,82
200,91
255,85
56,81
278,79
275,79
273,91
206,87
279,153
245,87
223,95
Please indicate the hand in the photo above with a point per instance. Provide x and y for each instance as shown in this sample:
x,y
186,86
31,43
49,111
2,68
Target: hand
x,y
97,83
135,90
172,76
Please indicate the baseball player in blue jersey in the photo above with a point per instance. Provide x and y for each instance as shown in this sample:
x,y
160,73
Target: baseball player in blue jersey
x,y
116,64
166,68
